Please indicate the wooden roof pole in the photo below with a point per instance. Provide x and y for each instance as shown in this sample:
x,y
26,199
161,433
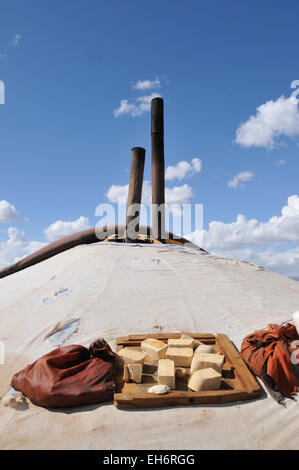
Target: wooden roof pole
x,y
135,193
158,177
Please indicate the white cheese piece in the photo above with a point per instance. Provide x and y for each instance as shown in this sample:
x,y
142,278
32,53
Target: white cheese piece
x,y
154,348
181,343
196,342
185,336
126,375
205,379
129,356
205,361
182,357
180,373
166,375
159,389
133,372
204,348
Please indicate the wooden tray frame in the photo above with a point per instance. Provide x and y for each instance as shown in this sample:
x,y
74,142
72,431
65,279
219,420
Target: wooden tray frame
x,y
245,386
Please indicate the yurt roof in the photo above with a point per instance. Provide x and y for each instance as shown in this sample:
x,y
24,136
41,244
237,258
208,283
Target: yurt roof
x,y
110,290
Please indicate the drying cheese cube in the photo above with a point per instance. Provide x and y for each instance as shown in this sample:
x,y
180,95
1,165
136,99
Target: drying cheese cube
x,y
205,379
196,342
205,361
182,357
204,348
181,343
126,375
154,348
166,374
133,372
185,336
129,356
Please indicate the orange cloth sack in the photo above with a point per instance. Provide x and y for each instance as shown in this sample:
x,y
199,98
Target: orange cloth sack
x,y
69,376
268,355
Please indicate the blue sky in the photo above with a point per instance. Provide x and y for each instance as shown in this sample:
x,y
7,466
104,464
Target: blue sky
x,y
68,65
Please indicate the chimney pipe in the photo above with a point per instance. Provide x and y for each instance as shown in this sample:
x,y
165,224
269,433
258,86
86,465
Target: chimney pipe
x,y
158,177
135,193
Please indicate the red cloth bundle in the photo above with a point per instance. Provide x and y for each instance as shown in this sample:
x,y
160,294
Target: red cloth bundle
x,y
272,348
69,376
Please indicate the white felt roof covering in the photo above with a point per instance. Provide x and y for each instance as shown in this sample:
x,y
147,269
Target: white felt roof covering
x,y
115,290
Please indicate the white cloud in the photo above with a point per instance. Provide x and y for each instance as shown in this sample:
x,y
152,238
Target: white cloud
x,y
272,120
147,84
183,169
278,229
239,179
237,239
16,247
126,108
280,162
8,212
117,193
61,228
15,41
178,194
175,195
141,105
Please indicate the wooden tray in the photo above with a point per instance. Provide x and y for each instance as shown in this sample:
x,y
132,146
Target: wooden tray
x,y
237,381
